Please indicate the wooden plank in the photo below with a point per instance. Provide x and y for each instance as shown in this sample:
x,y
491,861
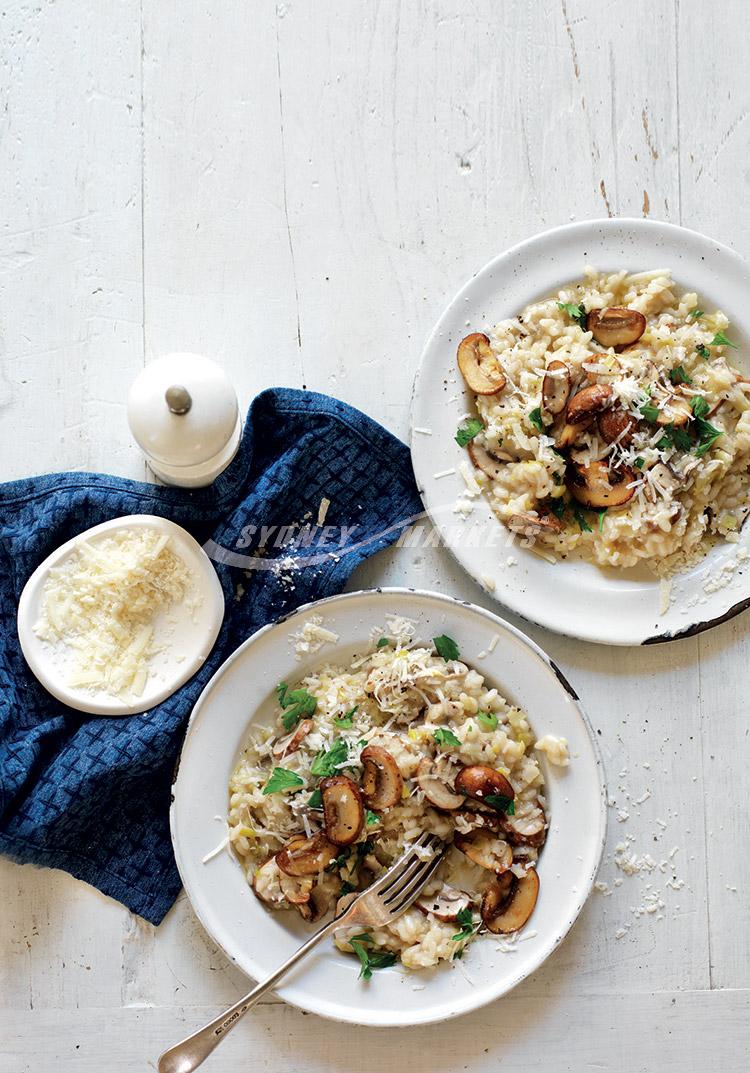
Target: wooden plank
x,y
675,1032
70,237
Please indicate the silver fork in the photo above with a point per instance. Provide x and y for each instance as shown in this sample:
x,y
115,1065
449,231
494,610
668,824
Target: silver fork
x,y
387,898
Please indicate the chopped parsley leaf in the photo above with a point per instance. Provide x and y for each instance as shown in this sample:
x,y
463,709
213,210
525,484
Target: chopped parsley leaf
x,y
363,848
326,762
699,406
583,525
487,719
501,803
446,737
340,861
465,918
704,352
465,433
315,800
679,376
707,434
557,506
371,818
601,520
445,647
649,411
345,722
382,642
696,314
675,436
346,888
575,312
297,702
535,417
639,463
720,339
370,959
282,780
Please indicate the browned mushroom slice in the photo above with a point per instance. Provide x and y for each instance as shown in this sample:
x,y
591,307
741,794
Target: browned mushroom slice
x,y
492,821
445,905
306,856
382,784
296,888
435,790
485,849
503,913
532,525
588,402
616,424
524,832
481,781
569,434
497,898
343,811
266,884
597,487
491,464
675,411
479,365
291,742
556,387
616,327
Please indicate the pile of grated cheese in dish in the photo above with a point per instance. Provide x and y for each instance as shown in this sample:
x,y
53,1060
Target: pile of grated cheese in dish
x,y
101,604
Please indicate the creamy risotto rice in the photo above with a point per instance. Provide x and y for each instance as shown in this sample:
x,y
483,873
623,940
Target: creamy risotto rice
x,y
612,423
362,760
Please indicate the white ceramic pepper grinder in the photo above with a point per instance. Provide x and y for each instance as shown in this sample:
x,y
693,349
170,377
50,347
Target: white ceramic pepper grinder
x,y
183,413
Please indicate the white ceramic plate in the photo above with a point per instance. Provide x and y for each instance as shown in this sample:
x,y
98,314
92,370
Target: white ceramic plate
x,y
576,598
257,939
186,641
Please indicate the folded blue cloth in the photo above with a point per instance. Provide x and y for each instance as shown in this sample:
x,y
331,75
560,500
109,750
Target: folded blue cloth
x,y
91,795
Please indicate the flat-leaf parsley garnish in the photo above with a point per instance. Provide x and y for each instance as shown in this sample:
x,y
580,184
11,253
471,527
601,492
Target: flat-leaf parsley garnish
x,y
382,642
720,339
696,314
501,803
327,761
678,375
649,411
345,722
675,436
371,818
446,737
703,351
296,702
282,780
699,406
707,434
465,918
445,647
535,417
583,525
370,959
315,800
466,432
487,719
575,312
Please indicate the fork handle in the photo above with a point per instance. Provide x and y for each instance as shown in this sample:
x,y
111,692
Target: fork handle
x,y
187,1055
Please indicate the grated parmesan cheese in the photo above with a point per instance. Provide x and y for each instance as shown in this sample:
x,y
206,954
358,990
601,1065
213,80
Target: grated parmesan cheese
x,y
102,603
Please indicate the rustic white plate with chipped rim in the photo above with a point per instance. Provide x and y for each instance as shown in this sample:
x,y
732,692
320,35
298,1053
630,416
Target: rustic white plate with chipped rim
x,y
184,637
620,607
256,939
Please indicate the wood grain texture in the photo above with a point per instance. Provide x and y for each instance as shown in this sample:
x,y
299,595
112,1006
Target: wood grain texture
x,y
297,189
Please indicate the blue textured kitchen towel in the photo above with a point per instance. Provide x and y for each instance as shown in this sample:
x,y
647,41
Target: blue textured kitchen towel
x,y
91,795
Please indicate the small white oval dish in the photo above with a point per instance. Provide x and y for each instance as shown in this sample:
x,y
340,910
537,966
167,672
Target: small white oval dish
x,y
183,636
577,598
257,939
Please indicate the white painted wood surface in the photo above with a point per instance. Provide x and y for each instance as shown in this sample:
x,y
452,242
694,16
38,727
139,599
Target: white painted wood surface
x,y
297,189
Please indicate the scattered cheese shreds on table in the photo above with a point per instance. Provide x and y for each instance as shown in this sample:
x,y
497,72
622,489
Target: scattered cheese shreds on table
x,y
102,602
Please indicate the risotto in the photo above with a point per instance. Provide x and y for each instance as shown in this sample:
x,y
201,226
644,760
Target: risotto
x,y
365,758
612,423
